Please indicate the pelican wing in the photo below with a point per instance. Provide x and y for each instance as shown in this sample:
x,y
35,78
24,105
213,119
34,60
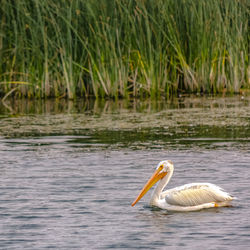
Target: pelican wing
x,y
196,194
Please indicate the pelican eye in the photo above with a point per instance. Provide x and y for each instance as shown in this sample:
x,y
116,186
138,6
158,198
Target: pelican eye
x,y
161,167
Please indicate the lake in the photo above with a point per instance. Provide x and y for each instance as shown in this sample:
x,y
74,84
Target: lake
x,y
70,171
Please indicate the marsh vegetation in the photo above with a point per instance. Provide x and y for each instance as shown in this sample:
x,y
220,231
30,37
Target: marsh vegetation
x,y
120,48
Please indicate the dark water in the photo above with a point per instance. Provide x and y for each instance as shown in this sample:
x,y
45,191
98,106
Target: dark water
x,y
69,172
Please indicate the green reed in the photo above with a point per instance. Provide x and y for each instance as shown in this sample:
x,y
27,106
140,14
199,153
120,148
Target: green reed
x,y
123,48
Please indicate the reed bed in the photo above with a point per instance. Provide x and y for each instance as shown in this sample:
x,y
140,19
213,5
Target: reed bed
x,y
123,48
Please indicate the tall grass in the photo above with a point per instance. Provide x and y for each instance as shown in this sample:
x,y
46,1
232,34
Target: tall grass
x,y
122,48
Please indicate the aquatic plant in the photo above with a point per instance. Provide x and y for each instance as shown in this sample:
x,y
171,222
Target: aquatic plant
x,y
120,48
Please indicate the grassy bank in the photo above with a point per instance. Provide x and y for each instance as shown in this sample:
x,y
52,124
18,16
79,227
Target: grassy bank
x,y
122,48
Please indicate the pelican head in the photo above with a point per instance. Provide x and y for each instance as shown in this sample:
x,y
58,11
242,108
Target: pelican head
x,y
167,166
163,168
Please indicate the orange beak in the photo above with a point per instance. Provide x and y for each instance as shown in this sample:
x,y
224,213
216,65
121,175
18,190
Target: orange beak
x,y
154,179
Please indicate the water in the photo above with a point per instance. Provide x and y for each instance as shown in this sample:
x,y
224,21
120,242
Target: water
x,y
70,171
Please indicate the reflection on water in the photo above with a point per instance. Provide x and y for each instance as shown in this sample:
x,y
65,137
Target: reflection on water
x,y
177,118
70,170
91,106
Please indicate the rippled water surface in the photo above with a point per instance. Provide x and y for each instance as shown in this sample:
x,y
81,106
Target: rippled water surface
x,y
69,172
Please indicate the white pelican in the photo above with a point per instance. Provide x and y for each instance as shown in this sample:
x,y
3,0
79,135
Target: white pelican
x,y
189,197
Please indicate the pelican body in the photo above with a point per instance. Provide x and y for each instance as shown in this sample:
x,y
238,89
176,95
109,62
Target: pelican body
x,y
189,197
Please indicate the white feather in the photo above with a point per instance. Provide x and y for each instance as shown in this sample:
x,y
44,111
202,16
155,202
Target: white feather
x,y
195,194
